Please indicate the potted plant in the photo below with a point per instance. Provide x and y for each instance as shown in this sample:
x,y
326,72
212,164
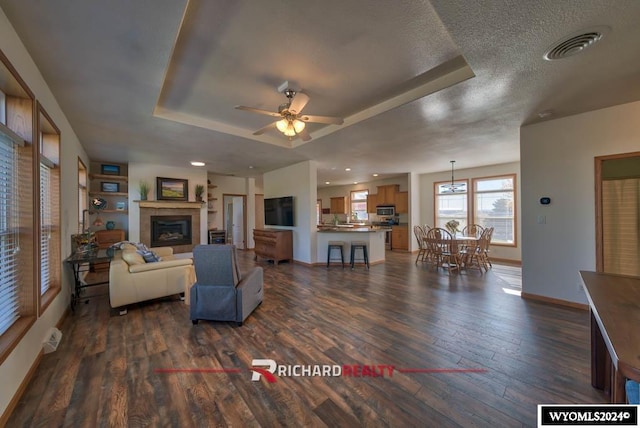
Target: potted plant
x,y
199,192
143,188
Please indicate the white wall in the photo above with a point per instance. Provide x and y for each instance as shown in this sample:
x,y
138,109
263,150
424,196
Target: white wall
x,y
15,367
149,172
414,208
557,160
427,211
300,181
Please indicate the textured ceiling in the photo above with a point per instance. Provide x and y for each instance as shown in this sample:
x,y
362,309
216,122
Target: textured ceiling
x,y
419,83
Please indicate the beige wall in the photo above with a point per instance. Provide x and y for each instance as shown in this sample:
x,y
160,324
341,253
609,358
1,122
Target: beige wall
x,y
557,160
427,212
300,181
15,367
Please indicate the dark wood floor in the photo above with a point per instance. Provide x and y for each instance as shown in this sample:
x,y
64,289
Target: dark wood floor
x,y
104,372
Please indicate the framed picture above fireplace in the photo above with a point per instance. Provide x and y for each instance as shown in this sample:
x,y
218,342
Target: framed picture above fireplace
x,y
172,189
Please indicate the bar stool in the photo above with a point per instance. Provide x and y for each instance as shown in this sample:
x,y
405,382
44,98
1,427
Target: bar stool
x,y
355,245
335,245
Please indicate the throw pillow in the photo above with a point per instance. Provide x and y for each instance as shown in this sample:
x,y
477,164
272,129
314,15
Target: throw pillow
x,y
149,256
132,258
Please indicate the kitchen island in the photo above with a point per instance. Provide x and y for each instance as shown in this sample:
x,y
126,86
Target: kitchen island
x,y
373,236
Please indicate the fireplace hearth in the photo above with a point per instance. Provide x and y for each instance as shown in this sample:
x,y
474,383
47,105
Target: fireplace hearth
x,y
170,230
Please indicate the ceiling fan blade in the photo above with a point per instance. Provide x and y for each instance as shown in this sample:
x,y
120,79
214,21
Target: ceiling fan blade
x,y
304,135
299,101
265,128
321,119
259,111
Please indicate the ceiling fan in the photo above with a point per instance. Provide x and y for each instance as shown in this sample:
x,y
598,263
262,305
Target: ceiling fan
x,y
291,121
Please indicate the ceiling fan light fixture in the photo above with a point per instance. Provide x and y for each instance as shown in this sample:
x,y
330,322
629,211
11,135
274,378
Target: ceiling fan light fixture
x,y
282,125
298,126
290,130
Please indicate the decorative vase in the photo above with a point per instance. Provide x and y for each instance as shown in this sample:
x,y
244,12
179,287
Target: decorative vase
x,y
111,225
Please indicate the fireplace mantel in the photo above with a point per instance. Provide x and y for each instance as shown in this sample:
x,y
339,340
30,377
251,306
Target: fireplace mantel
x,y
170,204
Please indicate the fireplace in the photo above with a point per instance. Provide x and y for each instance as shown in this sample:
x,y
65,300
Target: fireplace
x,y
170,230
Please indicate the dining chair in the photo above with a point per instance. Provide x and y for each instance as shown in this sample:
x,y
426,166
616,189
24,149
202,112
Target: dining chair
x,y
418,231
488,245
444,249
472,230
473,254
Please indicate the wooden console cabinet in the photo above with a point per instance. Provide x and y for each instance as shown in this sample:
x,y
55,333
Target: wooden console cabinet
x,y
273,244
106,238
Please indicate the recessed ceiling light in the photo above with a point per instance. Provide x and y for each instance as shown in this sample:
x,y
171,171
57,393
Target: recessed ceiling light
x,y
250,166
197,163
327,182
375,175
347,169
355,182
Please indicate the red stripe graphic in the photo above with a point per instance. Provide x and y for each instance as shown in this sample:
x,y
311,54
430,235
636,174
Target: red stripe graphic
x,y
442,370
197,370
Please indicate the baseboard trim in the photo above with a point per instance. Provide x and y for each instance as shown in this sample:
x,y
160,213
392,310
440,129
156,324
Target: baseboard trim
x,y
554,301
510,262
21,389
23,385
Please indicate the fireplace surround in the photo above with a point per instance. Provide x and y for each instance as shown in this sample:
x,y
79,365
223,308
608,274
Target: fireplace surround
x,y
150,209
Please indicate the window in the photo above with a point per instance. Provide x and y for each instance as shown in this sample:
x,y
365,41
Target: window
x,y
451,206
318,211
18,212
494,206
359,205
82,192
9,235
49,142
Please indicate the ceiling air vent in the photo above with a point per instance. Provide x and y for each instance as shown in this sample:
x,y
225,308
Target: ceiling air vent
x,y
575,44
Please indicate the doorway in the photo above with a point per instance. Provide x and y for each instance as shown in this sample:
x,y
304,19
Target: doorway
x,y
618,213
235,219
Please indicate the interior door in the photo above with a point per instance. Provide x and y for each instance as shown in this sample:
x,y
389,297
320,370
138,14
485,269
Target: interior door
x,y
618,214
238,221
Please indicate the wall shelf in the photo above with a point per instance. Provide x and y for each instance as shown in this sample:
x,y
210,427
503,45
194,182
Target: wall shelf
x,y
109,177
108,194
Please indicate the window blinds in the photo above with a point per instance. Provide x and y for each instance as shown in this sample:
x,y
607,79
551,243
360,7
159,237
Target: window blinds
x,y
45,226
9,233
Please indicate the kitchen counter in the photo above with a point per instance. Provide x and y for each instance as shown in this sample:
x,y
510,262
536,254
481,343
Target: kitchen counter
x,y
374,237
358,229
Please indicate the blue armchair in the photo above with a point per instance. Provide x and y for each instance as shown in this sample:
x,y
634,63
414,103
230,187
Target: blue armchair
x,y
221,293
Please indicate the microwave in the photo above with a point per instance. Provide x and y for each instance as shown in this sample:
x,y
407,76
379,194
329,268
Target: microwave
x,y
386,210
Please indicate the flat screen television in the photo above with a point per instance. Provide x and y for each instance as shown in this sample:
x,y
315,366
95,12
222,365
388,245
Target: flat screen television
x,y
278,211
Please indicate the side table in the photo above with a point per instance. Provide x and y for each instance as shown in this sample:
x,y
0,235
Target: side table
x,y
80,263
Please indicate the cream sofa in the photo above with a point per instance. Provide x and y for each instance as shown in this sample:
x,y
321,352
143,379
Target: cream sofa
x,y
131,280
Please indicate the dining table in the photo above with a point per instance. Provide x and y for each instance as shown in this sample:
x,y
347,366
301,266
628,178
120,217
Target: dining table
x,y
458,244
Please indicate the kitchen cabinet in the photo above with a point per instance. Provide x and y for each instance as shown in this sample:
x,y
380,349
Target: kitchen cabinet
x,y
387,194
372,201
338,205
400,237
402,202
